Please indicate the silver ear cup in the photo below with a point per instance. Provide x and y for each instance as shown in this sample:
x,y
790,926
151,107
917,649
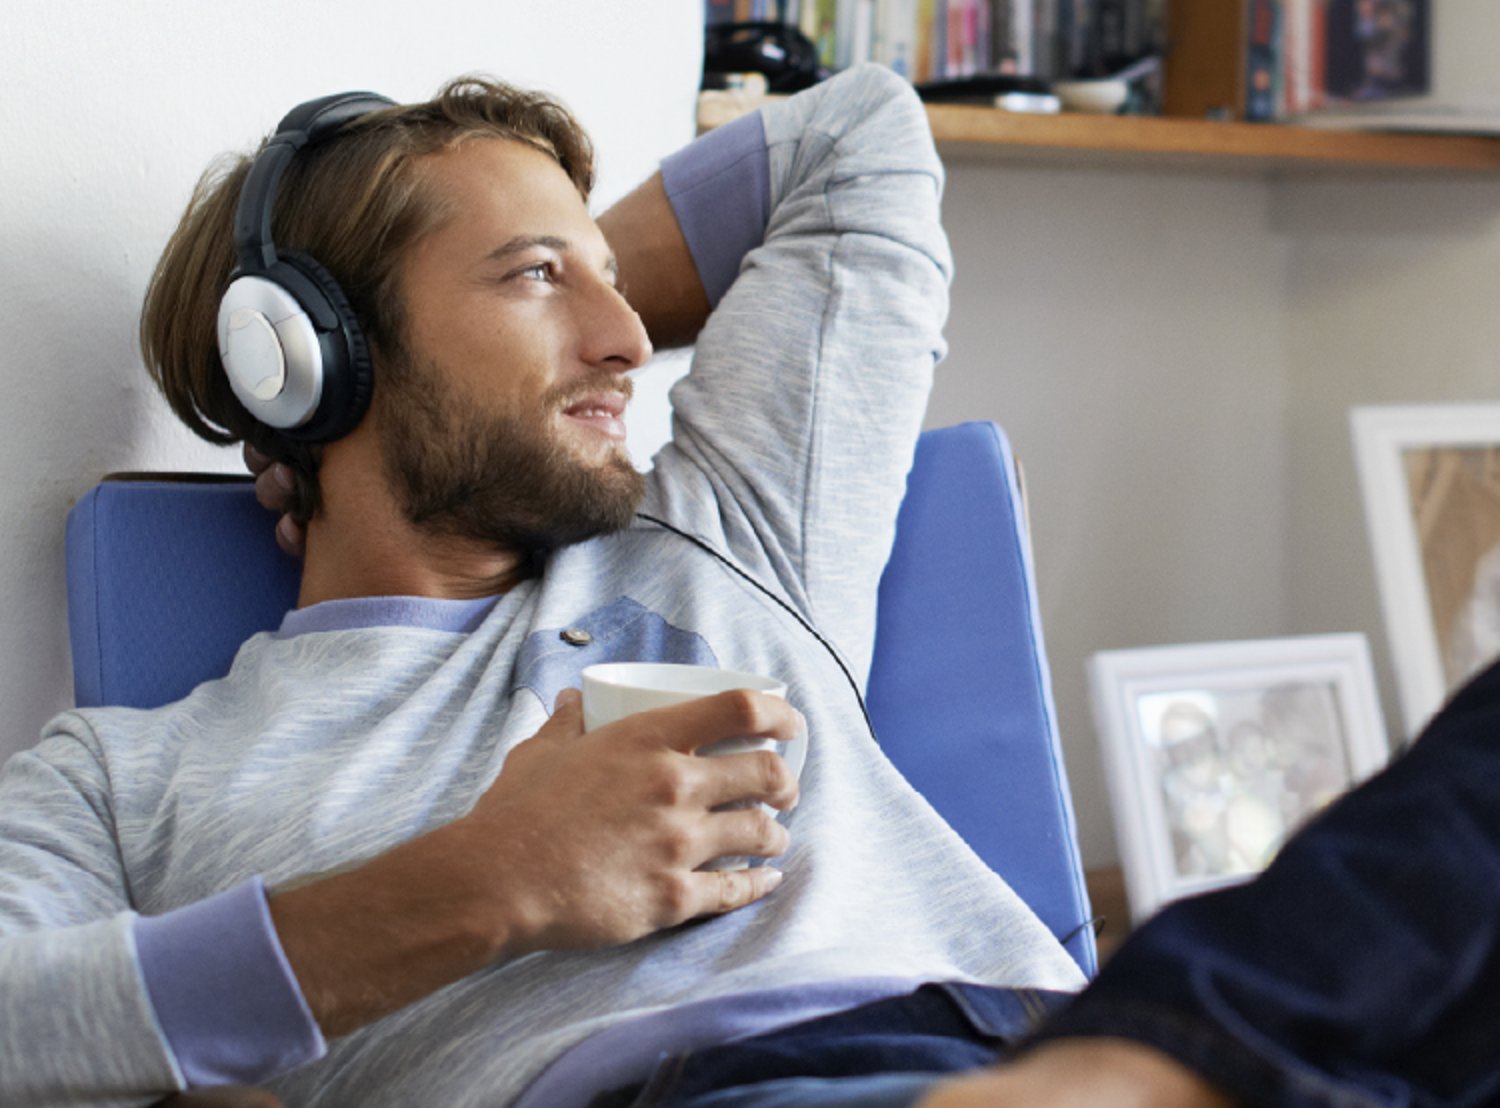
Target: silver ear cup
x,y
271,352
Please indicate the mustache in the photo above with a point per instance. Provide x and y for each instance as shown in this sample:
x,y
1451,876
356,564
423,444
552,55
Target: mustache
x,y
565,395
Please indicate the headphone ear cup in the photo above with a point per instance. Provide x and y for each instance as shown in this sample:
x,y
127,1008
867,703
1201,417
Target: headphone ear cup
x,y
347,374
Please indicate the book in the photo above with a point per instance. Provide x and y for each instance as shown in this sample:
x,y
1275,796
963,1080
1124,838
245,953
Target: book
x,y
1376,49
1262,61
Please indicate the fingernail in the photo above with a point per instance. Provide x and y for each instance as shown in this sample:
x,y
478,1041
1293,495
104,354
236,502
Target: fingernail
x,y
801,724
773,877
282,475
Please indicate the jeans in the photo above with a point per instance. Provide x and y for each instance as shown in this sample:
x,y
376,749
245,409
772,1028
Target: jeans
x,y
883,1055
1362,967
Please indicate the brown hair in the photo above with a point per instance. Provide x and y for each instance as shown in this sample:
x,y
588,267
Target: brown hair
x,y
355,203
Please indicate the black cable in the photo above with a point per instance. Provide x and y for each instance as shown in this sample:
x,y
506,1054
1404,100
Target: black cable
x,y
1096,922
708,547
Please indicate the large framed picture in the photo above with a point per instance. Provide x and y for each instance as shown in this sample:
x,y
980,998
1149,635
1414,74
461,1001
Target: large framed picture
x,y
1215,753
1430,477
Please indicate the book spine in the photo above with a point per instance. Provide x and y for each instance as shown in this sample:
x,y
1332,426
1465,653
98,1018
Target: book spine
x,y
939,40
718,11
902,39
1109,35
922,51
1262,60
953,64
822,30
1044,39
862,44
1022,31
1317,53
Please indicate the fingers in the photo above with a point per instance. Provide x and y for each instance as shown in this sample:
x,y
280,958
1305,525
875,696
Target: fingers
x,y
760,775
722,891
567,714
291,538
739,713
748,831
255,461
273,484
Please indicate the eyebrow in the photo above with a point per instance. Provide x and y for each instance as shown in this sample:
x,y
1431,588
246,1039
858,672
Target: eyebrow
x,y
521,243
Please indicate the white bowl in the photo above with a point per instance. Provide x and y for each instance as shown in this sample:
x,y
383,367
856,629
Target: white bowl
x,y
1099,97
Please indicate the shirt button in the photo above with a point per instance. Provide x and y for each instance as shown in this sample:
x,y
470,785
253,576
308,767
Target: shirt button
x,y
576,636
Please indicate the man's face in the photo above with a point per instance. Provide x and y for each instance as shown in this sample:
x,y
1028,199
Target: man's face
x,y
501,417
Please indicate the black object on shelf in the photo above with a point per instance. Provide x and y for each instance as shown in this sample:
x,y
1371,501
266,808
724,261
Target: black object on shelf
x,y
981,89
783,54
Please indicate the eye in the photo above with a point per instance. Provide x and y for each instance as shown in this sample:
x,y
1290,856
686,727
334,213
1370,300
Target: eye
x,y
541,271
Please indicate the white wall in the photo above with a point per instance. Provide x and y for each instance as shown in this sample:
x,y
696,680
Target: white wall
x,y
1174,356
1127,329
110,109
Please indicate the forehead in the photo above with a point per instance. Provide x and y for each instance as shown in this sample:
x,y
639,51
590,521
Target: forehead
x,y
491,189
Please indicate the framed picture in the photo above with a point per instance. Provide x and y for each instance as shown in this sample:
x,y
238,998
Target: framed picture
x,y
1215,753
1430,476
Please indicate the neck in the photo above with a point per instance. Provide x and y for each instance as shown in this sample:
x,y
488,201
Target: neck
x,y
360,543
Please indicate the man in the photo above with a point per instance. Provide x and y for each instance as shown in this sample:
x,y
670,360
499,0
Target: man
x,y
380,862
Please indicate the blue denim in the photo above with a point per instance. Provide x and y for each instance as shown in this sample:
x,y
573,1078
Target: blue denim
x,y
1362,968
887,1053
877,1090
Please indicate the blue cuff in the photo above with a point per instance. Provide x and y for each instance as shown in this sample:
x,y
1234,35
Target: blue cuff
x,y
224,994
720,190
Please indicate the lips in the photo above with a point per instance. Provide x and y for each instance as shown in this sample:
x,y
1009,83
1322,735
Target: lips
x,y
603,411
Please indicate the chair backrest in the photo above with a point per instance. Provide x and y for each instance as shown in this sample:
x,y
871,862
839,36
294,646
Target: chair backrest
x,y
166,578
960,691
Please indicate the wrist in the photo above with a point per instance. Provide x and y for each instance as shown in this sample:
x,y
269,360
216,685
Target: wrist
x,y
367,941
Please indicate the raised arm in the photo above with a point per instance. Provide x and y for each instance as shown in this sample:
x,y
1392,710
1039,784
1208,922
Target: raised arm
x,y
657,273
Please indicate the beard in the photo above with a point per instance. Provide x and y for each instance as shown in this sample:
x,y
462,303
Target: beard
x,y
500,478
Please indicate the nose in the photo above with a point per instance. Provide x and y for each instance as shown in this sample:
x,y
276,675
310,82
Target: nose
x,y
616,338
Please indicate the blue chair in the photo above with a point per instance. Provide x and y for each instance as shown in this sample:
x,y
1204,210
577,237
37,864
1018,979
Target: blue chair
x,y
167,577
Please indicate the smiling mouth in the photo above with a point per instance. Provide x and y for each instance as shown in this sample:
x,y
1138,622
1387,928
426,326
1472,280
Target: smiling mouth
x,y
604,412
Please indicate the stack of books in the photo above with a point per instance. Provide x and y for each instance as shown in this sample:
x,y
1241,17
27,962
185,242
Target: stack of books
x,y
1275,60
945,40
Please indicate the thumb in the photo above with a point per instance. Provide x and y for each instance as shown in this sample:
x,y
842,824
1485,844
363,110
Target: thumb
x,y
567,714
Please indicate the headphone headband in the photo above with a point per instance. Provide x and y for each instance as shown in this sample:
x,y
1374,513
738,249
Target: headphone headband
x,y
304,125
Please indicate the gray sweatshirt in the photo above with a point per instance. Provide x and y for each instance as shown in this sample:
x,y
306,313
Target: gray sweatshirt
x,y
362,724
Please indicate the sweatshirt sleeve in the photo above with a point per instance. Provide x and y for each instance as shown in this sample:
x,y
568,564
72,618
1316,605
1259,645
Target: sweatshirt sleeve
x,y
99,1006
815,227
223,992
720,191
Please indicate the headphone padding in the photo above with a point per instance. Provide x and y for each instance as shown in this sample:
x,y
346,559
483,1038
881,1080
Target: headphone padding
x,y
348,375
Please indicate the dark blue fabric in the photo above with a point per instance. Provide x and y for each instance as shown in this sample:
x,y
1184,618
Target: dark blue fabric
x,y
1363,967
876,1090
940,1028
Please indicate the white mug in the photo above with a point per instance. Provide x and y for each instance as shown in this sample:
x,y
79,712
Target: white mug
x,y
614,690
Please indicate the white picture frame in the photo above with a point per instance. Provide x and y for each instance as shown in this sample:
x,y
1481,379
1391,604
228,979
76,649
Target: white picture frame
x,y
1214,753
1433,519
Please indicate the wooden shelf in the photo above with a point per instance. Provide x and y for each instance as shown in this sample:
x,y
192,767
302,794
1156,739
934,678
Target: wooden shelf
x,y
967,133
1252,147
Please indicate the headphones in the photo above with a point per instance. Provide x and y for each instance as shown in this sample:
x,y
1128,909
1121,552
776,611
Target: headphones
x,y
294,352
